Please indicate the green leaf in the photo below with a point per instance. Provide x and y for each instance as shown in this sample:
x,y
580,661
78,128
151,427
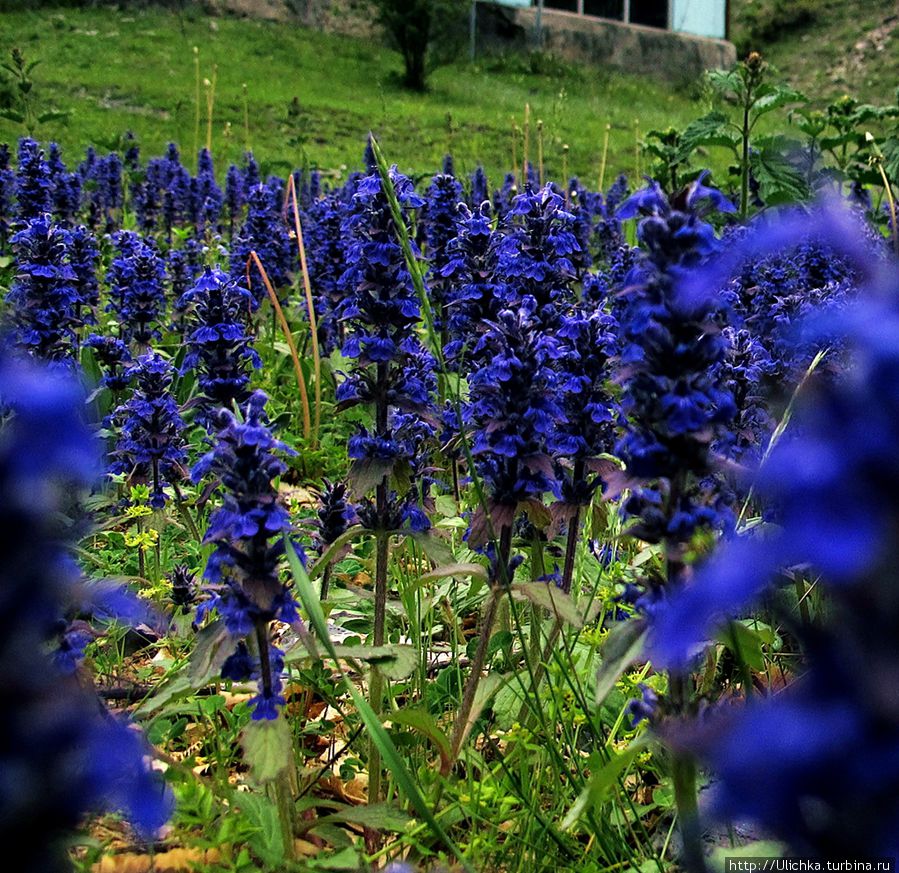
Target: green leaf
x,y
447,571
267,748
330,554
378,733
268,841
602,780
213,647
551,598
891,158
345,860
446,506
747,640
394,661
176,687
366,474
770,97
486,691
779,181
710,130
725,82
423,722
379,816
622,646
436,548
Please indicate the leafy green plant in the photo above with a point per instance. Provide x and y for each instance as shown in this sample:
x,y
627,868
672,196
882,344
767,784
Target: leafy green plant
x,y
765,159
25,108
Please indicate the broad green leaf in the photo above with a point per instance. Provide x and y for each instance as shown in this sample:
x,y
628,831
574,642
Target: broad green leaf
x,y
423,722
345,861
547,595
621,648
779,181
213,647
380,816
713,129
366,474
725,82
774,96
268,841
748,639
487,689
267,748
436,548
174,688
394,661
446,506
448,570
330,554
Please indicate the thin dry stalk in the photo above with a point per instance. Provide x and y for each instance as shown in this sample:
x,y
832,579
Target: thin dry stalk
x,y
310,308
285,328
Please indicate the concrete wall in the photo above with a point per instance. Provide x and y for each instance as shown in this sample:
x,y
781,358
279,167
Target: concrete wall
x,y
579,38
574,38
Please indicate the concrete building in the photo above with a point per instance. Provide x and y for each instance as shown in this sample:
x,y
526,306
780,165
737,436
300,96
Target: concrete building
x,y
697,17
670,38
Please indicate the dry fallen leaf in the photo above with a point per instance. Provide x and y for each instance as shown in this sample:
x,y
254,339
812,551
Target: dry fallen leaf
x,y
173,861
353,791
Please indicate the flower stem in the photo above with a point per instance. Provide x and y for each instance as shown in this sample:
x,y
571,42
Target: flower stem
x,y
683,775
461,725
382,541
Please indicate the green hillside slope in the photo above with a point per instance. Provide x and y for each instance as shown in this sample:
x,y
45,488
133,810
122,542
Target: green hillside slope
x,y
313,96
825,47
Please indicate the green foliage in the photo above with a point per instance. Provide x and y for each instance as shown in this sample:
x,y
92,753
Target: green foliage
x,y
762,22
421,31
339,102
21,104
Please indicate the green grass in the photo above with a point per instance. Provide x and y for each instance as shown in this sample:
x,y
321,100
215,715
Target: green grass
x,y
832,54
135,71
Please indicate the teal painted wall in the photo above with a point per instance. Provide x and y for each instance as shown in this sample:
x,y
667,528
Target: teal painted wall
x,y
700,17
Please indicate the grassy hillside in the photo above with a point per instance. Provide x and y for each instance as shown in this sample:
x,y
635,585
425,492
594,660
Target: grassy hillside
x,y
825,47
316,95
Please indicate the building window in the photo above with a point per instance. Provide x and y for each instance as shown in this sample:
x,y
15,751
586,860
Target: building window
x,y
566,5
651,13
605,8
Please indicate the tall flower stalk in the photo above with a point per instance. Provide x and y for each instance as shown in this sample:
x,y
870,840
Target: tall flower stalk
x,y
675,402
815,765
381,310
220,340
247,533
67,753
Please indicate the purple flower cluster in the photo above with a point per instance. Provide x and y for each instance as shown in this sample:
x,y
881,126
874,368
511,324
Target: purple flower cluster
x,y
136,287
816,765
673,394
219,339
150,447
46,301
264,232
63,754
248,534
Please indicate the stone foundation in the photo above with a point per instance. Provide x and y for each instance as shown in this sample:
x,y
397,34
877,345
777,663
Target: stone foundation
x,y
570,37
582,39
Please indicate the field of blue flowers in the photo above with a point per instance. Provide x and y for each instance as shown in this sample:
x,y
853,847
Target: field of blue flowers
x,y
459,526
